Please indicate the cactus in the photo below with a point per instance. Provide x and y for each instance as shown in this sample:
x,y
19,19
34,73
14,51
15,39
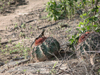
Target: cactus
x,y
90,44
44,47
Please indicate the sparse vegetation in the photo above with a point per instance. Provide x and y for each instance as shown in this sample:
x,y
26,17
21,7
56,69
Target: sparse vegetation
x,y
22,34
23,25
16,49
53,71
90,19
7,6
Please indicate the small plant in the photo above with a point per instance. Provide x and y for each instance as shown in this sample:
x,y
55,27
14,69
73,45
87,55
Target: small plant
x,y
30,27
23,25
2,50
8,3
53,71
38,71
25,52
6,62
22,34
74,39
10,41
99,71
13,51
31,33
6,46
16,25
24,70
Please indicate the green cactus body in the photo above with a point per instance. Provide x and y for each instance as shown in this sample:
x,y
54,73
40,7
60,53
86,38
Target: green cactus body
x,y
90,46
45,50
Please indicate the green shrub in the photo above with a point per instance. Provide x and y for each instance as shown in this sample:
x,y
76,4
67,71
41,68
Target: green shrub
x,y
54,10
90,20
61,9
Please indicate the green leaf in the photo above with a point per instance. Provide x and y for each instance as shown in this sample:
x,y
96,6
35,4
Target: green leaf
x,y
73,36
98,30
96,15
83,29
94,25
81,23
77,29
77,35
95,18
99,70
84,14
84,1
88,27
95,9
70,39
